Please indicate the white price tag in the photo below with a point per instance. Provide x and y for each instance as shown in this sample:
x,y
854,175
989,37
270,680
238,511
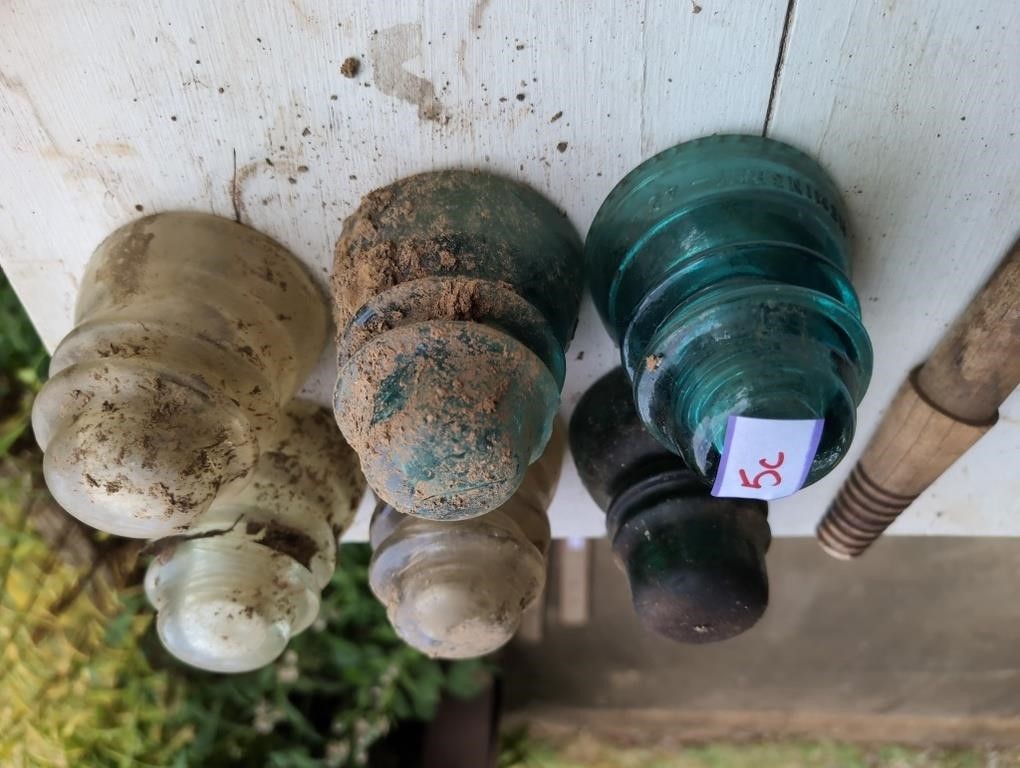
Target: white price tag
x,y
766,458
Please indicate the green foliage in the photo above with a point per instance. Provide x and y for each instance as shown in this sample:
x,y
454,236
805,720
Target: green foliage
x,y
340,686
22,367
516,749
72,693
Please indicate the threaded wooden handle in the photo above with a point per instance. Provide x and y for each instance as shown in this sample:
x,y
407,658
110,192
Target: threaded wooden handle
x,y
914,445
938,414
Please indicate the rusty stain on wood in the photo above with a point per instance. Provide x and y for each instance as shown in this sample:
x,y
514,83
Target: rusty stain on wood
x,y
474,24
389,51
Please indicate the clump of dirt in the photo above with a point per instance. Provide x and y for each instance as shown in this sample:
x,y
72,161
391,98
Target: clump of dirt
x,y
408,231
289,541
466,301
377,268
367,264
350,67
460,299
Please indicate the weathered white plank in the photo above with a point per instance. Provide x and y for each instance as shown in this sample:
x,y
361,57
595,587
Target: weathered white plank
x,y
913,108
108,106
89,90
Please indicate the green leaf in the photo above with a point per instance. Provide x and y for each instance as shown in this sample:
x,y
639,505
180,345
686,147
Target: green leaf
x,y
119,629
297,721
343,652
465,679
424,690
400,705
296,757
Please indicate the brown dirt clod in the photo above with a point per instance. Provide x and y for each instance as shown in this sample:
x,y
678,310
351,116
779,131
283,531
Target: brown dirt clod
x,y
290,542
350,67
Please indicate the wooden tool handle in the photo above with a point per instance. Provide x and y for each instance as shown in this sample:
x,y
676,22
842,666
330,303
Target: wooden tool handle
x,y
976,365
915,444
938,414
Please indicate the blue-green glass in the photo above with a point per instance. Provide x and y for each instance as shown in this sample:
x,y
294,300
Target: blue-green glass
x,y
721,267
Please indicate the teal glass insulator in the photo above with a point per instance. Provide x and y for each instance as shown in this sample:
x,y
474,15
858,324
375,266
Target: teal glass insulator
x,y
456,295
721,268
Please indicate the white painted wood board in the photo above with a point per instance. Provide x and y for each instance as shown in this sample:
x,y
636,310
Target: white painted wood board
x,y
913,107
106,106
